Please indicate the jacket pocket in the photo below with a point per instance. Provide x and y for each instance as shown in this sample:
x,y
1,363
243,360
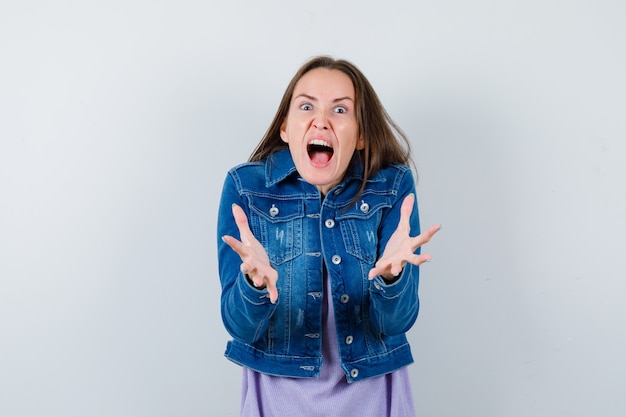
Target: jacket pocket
x,y
359,229
277,224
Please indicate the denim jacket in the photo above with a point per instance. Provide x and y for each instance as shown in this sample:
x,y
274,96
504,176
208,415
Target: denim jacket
x,y
303,233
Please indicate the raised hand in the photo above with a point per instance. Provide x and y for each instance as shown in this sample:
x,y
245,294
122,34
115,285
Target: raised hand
x,y
401,246
255,262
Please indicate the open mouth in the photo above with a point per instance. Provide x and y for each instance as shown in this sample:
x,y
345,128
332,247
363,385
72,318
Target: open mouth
x,y
320,151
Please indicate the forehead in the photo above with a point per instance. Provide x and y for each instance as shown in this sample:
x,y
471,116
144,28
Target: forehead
x,y
324,83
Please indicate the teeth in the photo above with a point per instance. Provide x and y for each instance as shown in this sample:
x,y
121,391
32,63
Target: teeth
x,y
320,142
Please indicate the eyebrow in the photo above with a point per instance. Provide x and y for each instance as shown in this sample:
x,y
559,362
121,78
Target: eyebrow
x,y
315,99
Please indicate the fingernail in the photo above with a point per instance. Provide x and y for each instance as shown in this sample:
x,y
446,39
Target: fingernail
x,y
244,270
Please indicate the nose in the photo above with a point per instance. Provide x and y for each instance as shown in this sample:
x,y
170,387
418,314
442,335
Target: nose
x,y
320,121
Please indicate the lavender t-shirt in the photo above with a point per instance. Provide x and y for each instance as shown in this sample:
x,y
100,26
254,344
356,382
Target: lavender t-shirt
x,y
330,394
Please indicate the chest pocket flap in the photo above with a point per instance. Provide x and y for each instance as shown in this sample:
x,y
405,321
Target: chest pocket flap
x,y
277,224
359,228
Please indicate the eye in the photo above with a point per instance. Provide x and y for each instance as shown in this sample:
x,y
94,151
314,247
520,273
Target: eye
x,y
306,106
340,109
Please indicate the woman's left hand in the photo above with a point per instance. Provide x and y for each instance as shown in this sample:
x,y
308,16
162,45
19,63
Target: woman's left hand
x,y
401,246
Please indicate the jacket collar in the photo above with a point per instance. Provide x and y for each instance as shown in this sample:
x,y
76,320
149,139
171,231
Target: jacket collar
x,y
278,166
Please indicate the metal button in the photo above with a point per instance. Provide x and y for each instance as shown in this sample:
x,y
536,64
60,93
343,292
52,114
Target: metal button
x,y
354,373
349,340
330,223
344,298
364,207
336,259
377,285
273,211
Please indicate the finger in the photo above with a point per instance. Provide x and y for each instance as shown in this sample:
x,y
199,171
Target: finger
x,y
239,214
425,236
257,281
268,281
253,275
432,230
405,212
272,291
241,220
396,270
236,245
417,260
372,274
377,270
386,272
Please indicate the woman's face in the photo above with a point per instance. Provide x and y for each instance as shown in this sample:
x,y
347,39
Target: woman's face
x,y
321,128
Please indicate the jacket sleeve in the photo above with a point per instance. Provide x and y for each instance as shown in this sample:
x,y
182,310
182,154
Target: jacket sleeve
x,y
245,310
394,307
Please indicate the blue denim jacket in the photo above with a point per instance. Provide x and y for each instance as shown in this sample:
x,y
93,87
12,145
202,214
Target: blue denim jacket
x,y
303,233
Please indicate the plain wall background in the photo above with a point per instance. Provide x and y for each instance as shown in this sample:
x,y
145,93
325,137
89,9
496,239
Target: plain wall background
x,y
119,120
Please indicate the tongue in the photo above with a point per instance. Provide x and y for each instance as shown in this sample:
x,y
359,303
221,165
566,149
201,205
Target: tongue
x,y
320,157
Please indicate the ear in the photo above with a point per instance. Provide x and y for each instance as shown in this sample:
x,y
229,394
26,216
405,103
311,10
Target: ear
x,y
283,131
360,144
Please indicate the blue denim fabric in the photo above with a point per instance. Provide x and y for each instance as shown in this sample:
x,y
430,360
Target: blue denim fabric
x,y
303,233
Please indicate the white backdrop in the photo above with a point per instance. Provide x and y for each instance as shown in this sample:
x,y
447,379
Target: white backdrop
x,y
119,120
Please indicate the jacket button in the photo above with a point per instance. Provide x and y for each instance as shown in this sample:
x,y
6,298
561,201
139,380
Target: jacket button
x,y
364,207
377,285
273,211
336,259
354,373
349,340
344,298
330,223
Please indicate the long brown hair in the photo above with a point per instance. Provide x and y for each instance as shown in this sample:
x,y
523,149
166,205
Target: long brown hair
x,y
385,143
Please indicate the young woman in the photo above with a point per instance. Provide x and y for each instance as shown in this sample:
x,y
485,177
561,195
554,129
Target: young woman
x,y
319,254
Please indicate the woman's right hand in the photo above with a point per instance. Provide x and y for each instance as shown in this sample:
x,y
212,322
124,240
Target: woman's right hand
x,y
255,262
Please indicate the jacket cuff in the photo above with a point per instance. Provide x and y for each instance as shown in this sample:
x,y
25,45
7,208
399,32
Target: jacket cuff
x,y
250,293
378,285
